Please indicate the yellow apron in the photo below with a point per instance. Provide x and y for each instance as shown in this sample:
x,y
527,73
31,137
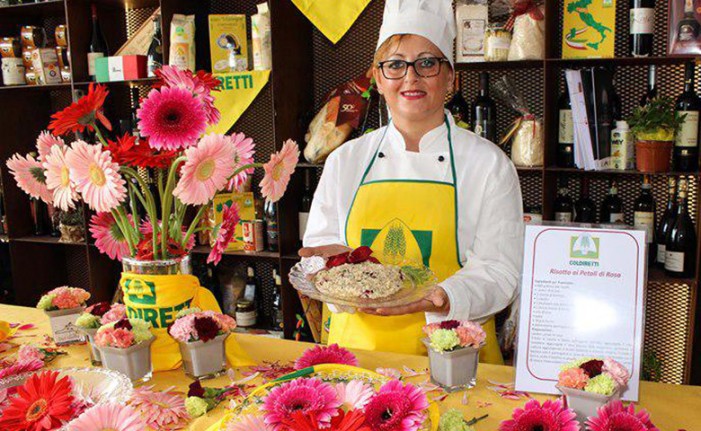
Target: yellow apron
x,y
404,220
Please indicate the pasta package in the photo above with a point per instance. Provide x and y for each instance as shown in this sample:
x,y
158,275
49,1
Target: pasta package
x,y
182,42
528,40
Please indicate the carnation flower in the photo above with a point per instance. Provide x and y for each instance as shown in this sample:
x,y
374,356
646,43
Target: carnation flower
x,y
185,311
98,309
65,297
616,371
30,177
470,334
551,416
332,354
573,378
58,178
431,327
592,367
396,407
87,321
452,420
96,176
196,406
602,384
311,397
117,338
279,170
206,327
443,340
449,324
46,302
115,313
614,417
162,410
183,329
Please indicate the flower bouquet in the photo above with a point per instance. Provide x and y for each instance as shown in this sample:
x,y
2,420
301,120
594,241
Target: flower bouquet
x,y
125,347
63,305
95,316
201,335
453,353
590,383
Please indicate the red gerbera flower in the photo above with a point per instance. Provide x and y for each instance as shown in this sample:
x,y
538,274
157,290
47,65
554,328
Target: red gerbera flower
x,y
42,403
82,114
144,249
128,151
354,420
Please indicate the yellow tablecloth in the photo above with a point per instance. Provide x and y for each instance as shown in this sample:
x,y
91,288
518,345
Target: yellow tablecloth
x,y
672,407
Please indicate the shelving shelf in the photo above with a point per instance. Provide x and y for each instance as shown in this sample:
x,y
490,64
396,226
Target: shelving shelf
x,y
46,240
577,171
51,87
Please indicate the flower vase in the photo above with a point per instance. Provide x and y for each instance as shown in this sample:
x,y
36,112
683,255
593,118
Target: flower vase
x,y
204,360
134,361
63,326
454,370
95,357
585,404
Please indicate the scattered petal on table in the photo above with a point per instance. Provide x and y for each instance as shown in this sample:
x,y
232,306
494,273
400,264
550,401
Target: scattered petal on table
x,y
439,398
14,325
392,373
27,326
429,387
483,404
245,379
504,385
410,372
465,399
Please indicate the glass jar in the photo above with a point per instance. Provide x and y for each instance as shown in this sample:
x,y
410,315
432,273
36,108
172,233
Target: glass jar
x,y
497,41
245,313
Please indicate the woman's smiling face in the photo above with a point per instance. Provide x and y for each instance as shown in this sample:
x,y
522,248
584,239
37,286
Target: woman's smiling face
x,y
413,98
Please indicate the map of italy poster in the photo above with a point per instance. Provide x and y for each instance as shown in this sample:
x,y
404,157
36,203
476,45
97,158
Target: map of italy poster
x,y
589,29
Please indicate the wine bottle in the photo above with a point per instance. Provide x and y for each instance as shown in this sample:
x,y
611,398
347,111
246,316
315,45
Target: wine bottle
x,y
98,46
680,253
155,50
651,92
38,211
666,222
565,147
584,208
305,205
612,207
642,27
616,105
277,317
484,111
271,226
686,146
563,203
251,290
3,225
644,217
457,105
134,121
688,28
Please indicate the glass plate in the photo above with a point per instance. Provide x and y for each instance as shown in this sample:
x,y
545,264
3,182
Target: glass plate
x,y
95,385
302,279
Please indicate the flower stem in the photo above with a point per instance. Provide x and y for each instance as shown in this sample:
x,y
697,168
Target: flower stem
x,y
150,206
133,234
193,226
98,133
125,231
167,201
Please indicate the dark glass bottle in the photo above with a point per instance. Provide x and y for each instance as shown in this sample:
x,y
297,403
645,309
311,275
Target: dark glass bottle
x,y
457,105
484,111
666,222
651,92
644,217
642,27
584,208
278,321
612,207
155,50
305,204
680,253
615,100
565,147
134,121
686,147
39,216
688,28
271,226
564,210
98,46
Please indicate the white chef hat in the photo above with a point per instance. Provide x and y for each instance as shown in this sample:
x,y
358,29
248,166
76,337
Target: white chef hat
x,y
432,19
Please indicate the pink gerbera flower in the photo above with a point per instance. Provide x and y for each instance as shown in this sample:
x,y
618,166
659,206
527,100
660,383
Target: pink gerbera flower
x,y
209,165
248,423
244,151
96,176
175,78
614,416
279,170
230,219
109,238
396,407
45,142
30,177
162,410
110,417
58,178
550,416
332,354
310,397
171,118
354,394
21,367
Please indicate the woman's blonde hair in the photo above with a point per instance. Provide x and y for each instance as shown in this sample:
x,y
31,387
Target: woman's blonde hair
x,y
384,50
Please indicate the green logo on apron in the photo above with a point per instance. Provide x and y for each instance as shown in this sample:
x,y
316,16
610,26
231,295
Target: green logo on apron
x,y
139,292
397,244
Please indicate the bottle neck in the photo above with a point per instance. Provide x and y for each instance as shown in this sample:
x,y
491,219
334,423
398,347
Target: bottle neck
x,y
651,79
484,86
689,79
689,7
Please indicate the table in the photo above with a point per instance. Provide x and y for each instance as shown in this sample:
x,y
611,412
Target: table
x,y
673,407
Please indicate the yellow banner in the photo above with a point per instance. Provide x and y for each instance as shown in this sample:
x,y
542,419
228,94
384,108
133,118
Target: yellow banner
x,y
238,90
332,17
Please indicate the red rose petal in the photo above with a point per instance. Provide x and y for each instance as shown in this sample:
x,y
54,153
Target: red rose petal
x,y
373,259
337,260
359,255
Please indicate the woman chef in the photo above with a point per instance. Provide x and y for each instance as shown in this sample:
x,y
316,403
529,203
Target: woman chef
x,y
452,197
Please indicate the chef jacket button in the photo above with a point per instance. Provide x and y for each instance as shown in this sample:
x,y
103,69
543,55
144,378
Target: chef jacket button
x,y
441,158
381,154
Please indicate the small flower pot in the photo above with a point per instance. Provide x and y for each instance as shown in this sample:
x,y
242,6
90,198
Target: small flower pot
x,y
585,404
63,326
653,156
204,360
134,361
95,357
455,370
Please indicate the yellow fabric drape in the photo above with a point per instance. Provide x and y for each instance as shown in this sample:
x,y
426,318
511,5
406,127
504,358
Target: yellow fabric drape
x,y
333,18
237,92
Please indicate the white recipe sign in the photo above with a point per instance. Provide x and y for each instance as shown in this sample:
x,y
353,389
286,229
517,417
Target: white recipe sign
x,y
582,295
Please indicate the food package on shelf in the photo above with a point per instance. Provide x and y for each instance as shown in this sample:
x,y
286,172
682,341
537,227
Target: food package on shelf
x,y
342,113
528,23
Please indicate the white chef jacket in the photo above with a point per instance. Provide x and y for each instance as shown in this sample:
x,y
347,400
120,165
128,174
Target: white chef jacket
x,y
490,213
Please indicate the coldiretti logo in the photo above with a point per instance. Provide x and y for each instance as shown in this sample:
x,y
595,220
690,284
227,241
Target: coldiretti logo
x,y
584,247
140,292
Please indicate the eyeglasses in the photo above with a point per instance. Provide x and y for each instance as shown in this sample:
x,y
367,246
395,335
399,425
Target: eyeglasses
x,y
425,67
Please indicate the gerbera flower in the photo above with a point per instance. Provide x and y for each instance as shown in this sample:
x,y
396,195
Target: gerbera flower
x,y
396,407
96,176
21,367
310,397
230,219
45,142
248,423
43,402
354,394
551,415
30,177
138,153
206,171
82,114
243,149
351,421
171,118
162,410
58,178
278,171
110,417
109,238
332,354
199,85
614,416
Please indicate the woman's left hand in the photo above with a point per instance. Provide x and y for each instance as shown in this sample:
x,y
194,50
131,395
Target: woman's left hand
x,y
435,301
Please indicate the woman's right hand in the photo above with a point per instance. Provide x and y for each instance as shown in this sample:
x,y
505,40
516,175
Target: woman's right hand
x,y
323,250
